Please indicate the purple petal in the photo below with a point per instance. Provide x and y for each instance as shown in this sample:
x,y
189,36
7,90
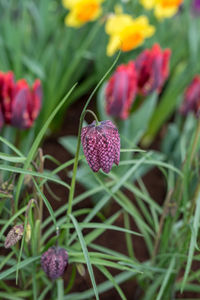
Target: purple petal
x,y
20,116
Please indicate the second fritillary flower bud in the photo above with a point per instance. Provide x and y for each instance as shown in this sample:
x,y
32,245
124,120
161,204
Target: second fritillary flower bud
x,y
54,261
101,145
14,235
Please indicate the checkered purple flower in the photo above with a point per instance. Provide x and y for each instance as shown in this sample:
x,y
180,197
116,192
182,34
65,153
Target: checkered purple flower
x,y
54,261
101,145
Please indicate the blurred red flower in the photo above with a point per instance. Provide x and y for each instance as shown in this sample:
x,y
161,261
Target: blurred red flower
x,y
19,104
191,102
121,91
152,67
1,117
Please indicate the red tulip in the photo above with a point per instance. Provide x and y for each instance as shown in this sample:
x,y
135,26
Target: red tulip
x,y
7,86
26,104
19,104
152,66
191,101
121,90
1,117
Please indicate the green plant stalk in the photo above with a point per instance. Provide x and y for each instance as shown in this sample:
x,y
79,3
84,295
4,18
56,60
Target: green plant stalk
x,y
196,141
41,170
73,181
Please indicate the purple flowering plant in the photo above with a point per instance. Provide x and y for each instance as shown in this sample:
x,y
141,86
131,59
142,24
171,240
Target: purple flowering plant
x,y
115,211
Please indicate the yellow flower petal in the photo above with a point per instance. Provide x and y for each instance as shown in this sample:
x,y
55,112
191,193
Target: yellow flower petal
x,y
162,13
113,45
72,21
82,11
127,33
148,4
116,23
69,3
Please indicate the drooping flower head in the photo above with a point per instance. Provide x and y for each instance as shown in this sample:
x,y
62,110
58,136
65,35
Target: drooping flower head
x,y
14,235
191,102
54,262
82,11
101,145
162,8
127,33
152,67
121,90
19,104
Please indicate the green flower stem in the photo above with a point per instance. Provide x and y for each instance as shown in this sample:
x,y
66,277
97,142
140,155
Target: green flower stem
x,y
92,113
73,181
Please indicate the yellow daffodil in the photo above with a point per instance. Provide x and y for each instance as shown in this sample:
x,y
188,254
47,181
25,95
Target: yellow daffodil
x,y
162,8
148,4
127,33
82,11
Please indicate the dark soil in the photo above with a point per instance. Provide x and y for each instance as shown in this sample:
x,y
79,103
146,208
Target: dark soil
x,y
154,182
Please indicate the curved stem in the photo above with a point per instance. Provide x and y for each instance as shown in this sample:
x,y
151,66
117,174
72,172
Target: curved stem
x,y
73,181
94,115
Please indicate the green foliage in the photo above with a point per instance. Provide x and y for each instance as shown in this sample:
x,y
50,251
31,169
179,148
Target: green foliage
x,y
34,42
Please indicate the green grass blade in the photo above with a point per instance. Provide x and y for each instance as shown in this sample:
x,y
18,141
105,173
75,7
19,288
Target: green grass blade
x,y
21,265
37,142
165,280
110,277
87,258
48,205
192,241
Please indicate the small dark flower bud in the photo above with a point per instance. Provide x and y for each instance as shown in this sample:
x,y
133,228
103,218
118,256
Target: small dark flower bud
x,y
14,235
101,145
54,261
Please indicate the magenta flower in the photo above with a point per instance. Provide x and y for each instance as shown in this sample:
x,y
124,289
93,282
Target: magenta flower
x,y
191,102
196,7
152,66
1,117
121,90
19,103
26,104
101,145
54,261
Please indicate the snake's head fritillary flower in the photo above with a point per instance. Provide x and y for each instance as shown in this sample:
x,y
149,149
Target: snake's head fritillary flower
x,y
14,235
82,11
162,8
191,102
121,90
127,33
101,145
54,262
152,67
